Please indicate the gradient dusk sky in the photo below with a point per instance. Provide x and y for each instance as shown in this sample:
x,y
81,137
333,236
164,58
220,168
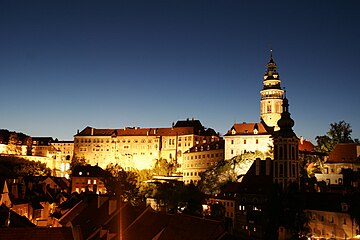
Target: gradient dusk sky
x,y
65,65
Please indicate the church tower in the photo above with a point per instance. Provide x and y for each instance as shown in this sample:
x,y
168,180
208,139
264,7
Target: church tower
x,y
286,151
271,96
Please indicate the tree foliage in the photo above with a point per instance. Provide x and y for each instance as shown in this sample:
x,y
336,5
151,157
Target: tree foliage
x,y
177,197
339,132
122,183
228,171
164,168
16,166
78,162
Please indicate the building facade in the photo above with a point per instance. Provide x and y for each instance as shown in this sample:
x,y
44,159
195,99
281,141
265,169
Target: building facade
x,y
199,158
88,179
251,137
247,137
138,148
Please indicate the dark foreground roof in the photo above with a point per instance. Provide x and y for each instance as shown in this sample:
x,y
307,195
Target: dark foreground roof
x,y
36,233
162,226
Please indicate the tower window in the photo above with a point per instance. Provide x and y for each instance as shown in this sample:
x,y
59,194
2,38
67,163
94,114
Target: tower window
x,y
268,108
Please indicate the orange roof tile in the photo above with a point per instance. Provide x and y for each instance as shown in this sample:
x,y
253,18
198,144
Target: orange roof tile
x,y
305,145
88,131
247,129
63,233
345,153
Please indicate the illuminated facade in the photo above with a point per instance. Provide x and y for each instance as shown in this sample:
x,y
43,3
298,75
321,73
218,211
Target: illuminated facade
x,y
330,216
57,154
88,178
247,137
251,137
271,96
199,158
138,148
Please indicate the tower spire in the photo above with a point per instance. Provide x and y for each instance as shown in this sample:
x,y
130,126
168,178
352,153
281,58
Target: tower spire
x,y
271,95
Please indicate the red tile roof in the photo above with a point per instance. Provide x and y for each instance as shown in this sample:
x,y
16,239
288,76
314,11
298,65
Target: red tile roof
x,y
36,233
345,153
88,131
147,225
247,129
183,226
162,226
305,145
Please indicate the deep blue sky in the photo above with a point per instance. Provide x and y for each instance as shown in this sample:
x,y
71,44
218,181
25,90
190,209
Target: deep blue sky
x,y
65,65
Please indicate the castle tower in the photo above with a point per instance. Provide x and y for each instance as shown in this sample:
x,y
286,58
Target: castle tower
x,y
271,96
286,151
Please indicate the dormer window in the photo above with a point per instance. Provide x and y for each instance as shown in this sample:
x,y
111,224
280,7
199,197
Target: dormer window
x,y
256,131
233,131
80,173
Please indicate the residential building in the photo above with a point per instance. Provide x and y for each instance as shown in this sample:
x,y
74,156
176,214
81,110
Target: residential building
x,y
329,215
199,158
227,198
63,152
344,156
247,137
13,143
138,148
88,178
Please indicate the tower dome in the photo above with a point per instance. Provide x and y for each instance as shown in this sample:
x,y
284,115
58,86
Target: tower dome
x,y
271,95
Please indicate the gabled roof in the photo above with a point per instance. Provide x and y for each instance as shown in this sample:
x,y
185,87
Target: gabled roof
x,y
324,201
151,224
305,145
247,129
15,219
72,213
261,183
183,226
345,153
36,233
162,226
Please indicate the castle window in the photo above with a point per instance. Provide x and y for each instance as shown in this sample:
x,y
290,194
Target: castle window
x,y
268,108
257,141
245,141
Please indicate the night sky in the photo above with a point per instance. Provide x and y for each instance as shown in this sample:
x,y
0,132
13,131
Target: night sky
x,y
65,65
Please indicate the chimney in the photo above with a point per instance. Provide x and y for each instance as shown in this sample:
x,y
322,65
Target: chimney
x,y
112,206
101,200
14,190
301,140
92,132
268,166
257,166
